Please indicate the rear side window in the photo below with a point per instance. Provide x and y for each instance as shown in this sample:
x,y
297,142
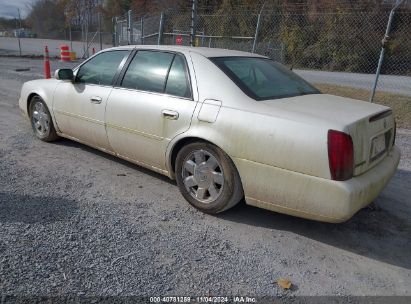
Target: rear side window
x,y
102,68
160,72
148,71
177,81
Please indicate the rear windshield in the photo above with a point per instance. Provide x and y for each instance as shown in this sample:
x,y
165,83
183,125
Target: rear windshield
x,y
263,79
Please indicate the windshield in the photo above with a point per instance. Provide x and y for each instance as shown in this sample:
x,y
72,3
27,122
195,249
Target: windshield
x,y
263,79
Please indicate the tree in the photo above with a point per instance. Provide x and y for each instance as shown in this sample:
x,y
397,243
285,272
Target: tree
x,y
46,18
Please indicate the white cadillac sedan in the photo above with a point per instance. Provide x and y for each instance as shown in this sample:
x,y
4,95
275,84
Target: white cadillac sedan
x,y
226,125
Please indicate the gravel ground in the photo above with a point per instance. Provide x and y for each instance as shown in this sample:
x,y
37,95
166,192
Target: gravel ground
x,y
77,221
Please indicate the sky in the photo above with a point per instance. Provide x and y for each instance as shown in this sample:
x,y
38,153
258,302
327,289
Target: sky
x,y
8,8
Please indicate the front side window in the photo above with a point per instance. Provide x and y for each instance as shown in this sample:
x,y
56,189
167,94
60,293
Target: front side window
x,y
263,79
160,72
102,68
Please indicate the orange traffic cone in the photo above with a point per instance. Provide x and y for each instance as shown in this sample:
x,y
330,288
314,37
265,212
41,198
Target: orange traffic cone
x,y
46,63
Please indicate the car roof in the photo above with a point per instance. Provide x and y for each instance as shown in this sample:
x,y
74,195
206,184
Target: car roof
x,y
204,51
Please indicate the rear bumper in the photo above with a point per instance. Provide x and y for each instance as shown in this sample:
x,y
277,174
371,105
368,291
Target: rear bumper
x,y
313,197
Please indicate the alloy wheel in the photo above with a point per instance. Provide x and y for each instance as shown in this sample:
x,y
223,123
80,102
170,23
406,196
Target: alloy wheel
x,y
203,176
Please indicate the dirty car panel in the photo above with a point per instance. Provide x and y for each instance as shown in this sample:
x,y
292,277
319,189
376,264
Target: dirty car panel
x,y
295,150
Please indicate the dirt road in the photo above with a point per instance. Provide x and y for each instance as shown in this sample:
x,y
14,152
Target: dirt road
x,y
76,221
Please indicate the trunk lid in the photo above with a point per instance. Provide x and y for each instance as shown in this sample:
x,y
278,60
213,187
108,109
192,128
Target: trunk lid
x,y
371,126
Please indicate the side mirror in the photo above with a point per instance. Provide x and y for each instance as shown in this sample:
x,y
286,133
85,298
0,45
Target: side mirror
x,y
64,74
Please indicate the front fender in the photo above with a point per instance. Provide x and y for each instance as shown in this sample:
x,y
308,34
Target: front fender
x,y
44,88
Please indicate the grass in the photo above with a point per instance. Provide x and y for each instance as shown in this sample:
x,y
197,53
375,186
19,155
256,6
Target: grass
x,y
400,104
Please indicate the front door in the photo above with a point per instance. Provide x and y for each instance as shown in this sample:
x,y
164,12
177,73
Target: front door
x,y
79,107
153,104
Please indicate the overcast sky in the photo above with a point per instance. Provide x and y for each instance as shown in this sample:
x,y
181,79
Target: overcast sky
x,y
8,8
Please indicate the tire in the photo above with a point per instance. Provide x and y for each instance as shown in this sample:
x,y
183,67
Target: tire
x,y
207,178
41,121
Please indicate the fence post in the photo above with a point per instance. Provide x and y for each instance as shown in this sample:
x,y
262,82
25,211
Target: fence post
x,y
85,41
130,27
100,38
114,21
257,29
19,32
70,37
160,29
142,30
193,22
384,41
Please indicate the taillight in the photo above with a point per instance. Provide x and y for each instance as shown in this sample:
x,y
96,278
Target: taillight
x,y
340,155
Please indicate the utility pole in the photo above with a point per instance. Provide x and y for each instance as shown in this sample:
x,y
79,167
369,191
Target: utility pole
x,y
18,31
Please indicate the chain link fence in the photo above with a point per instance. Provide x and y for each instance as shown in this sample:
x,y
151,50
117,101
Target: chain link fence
x,y
337,51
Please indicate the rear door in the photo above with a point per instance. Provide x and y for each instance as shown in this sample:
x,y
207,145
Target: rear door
x,y
79,106
152,104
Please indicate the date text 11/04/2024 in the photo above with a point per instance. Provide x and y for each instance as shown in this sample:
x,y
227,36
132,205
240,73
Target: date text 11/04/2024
x,y
202,299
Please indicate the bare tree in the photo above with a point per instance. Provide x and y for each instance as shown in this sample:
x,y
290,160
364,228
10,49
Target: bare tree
x,y
46,18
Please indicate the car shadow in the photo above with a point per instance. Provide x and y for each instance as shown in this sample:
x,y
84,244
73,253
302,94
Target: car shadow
x,y
32,209
73,144
375,232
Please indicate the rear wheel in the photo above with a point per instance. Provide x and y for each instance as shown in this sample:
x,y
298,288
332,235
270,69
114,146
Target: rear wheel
x,y
207,178
41,121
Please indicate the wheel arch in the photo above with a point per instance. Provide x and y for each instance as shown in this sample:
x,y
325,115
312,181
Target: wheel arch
x,y
237,184
177,146
29,99
180,143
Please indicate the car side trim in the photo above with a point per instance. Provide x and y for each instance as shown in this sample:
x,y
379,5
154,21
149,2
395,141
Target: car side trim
x,y
98,122
152,136
102,123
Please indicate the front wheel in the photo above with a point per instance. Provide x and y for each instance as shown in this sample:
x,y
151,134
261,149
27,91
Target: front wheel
x,y
41,121
207,178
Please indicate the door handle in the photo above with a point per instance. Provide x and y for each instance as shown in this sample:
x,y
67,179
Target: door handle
x,y
170,114
96,99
